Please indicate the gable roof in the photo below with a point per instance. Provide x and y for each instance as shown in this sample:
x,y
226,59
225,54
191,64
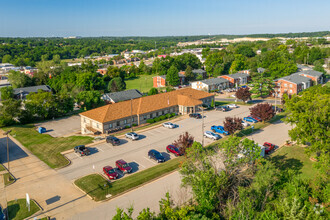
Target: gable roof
x,y
295,78
142,105
237,75
198,71
311,73
123,95
214,81
31,89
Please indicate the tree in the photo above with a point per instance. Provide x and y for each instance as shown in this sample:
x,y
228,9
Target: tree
x,y
172,77
309,112
153,91
89,99
262,86
184,141
56,59
116,84
189,75
264,111
243,94
9,112
245,51
282,67
318,67
19,80
6,58
238,64
232,124
144,69
7,92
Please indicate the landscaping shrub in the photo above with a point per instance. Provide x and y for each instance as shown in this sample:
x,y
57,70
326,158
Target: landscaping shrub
x,y
150,120
173,114
134,125
168,115
163,117
156,119
127,126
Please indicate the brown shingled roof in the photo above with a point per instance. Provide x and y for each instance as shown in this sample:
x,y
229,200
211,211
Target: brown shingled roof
x,y
110,112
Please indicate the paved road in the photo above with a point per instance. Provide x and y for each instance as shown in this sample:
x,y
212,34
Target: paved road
x,y
135,152
150,194
253,101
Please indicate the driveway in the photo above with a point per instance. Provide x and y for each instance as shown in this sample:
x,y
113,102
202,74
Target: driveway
x,y
62,127
135,152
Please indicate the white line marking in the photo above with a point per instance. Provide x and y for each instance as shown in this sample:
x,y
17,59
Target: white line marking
x,y
139,164
78,156
100,149
150,160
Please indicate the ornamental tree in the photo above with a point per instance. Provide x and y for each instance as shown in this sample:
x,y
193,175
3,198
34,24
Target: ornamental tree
x,y
264,111
232,124
243,94
184,141
172,76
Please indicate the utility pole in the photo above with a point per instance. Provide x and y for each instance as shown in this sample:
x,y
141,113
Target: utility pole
x,y
202,126
131,115
7,133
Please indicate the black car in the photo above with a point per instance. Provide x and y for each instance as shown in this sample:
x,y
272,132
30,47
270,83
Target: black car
x,y
82,150
195,115
153,154
277,109
113,140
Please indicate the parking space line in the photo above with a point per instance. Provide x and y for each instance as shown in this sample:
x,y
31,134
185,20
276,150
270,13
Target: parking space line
x,y
100,149
139,164
78,156
150,160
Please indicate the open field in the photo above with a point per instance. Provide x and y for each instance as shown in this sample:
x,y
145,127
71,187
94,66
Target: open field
x,y
295,158
45,147
97,187
143,83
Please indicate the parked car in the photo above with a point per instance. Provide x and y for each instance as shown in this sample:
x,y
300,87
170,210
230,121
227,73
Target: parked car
x,y
244,87
232,106
157,156
249,119
277,109
123,166
211,135
113,140
2,215
195,115
255,117
110,172
245,124
174,150
169,125
219,129
222,108
82,150
233,95
269,147
132,135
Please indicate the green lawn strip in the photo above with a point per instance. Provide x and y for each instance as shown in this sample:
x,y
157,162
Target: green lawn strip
x,y
2,168
143,83
220,103
46,147
295,158
93,184
8,179
18,210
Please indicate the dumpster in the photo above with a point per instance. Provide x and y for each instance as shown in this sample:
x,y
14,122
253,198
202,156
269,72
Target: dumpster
x,y
41,130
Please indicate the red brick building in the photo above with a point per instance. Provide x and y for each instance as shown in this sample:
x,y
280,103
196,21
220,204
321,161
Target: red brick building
x,y
237,78
292,84
159,81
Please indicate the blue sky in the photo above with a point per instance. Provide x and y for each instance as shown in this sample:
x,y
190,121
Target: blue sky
x,y
29,18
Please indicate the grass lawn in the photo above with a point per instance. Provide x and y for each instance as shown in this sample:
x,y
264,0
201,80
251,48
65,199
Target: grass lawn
x,y
97,187
2,168
295,158
143,83
18,210
44,146
8,180
219,103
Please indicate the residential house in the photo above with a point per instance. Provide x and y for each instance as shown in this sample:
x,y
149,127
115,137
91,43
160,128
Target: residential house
x,y
115,97
316,76
159,81
102,71
199,72
21,93
237,79
118,115
213,84
293,84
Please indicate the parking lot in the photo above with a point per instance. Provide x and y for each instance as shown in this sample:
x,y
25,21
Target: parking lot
x,y
62,127
136,152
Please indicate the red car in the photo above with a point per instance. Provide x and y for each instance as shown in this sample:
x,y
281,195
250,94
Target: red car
x,y
110,172
174,150
123,166
269,147
255,117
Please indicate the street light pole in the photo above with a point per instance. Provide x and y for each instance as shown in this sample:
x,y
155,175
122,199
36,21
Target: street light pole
x,y
7,133
202,126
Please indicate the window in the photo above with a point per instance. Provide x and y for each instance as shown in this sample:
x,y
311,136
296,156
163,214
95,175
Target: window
x,y
285,85
133,119
125,121
118,124
144,117
84,120
290,85
150,115
290,91
156,114
97,125
110,125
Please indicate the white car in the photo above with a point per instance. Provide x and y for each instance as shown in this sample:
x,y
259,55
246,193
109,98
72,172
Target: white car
x,y
245,124
131,135
233,95
232,106
210,134
169,125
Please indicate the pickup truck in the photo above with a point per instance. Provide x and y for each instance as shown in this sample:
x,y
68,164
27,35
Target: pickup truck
x,y
219,129
82,150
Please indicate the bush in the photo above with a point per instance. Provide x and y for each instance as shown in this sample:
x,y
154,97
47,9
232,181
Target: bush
x,y
134,125
163,117
150,120
127,126
173,114
168,115
156,119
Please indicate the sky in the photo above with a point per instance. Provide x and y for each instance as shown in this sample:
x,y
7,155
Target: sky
x,y
86,18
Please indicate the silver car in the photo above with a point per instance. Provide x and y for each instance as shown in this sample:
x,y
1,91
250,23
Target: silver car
x,y
245,124
211,135
131,135
169,125
232,106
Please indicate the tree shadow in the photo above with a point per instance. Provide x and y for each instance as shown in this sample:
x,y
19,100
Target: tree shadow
x,y
13,210
284,163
